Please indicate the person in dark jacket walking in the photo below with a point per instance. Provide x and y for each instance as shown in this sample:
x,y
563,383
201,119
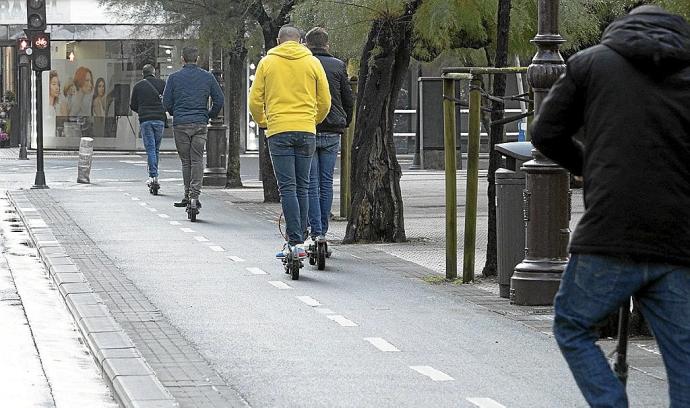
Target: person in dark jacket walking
x,y
328,134
146,102
186,98
631,96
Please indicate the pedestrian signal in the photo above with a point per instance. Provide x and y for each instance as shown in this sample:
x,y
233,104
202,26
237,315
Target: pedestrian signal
x,y
24,51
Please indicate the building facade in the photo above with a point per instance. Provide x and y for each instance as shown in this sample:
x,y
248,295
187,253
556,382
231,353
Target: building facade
x,y
96,59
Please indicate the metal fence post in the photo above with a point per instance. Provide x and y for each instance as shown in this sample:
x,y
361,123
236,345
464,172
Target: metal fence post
x,y
472,180
451,184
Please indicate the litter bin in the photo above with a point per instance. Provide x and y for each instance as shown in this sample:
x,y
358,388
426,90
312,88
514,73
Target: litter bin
x,y
510,222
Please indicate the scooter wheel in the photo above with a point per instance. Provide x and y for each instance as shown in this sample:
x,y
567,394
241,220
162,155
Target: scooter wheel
x,y
294,268
321,256
192,216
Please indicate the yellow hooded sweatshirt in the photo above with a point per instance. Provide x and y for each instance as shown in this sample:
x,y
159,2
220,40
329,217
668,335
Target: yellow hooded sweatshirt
x,y
290,91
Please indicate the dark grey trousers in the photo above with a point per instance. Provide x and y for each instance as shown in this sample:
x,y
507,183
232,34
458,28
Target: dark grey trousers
x,y
190,140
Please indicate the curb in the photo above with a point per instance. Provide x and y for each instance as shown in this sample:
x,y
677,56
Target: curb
x,y
130,378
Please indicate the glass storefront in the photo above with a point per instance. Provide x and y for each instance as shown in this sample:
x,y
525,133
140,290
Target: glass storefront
x,y
87,92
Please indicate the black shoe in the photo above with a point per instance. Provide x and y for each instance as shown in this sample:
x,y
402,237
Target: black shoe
x,y
182,203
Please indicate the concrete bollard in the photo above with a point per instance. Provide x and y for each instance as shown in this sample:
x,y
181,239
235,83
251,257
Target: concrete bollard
x,y
85,159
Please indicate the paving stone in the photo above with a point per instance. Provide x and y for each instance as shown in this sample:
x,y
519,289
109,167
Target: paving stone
x,y
140,388
110,340
74,288
68,277
136,366
99,324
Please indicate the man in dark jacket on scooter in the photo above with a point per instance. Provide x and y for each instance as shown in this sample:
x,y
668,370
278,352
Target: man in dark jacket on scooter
x,y
327,134
631,96
146,102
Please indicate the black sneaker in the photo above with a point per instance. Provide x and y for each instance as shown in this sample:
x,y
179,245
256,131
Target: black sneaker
x,y
182,203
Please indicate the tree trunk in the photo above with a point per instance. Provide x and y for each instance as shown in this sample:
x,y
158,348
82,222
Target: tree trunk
x,y
377,207
496,131
234,89
269,28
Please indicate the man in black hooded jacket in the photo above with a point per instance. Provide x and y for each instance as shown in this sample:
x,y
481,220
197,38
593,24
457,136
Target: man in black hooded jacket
x,y
631,97
328,134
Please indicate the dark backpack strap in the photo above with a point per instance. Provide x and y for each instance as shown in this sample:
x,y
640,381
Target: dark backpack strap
x,y
160,95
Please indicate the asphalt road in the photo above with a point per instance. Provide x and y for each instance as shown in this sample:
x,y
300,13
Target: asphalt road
x,y
355,335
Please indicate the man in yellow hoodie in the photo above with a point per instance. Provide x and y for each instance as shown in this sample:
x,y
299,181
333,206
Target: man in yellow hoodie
x,y
289,97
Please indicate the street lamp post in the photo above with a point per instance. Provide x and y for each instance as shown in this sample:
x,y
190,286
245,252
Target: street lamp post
x,y
215,172
546,196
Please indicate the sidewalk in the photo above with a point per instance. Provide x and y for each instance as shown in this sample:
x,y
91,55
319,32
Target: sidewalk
x,y
199,309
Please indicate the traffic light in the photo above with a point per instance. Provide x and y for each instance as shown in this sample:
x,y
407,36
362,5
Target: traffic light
x,y
23,51
36,15
40,45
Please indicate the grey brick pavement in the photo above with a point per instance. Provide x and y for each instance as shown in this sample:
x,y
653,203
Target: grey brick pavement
x,y
179,367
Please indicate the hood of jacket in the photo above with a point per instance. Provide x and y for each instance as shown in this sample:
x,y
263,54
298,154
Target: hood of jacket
x,y
291,50
652,39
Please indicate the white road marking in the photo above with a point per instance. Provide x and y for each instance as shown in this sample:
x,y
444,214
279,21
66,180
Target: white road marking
x,y
201,239
135,199
257,271
432,373
235,258
143,204
354,256
342,320
174,223
28,209
381,344
187,230
216,248
485,403
133,161
324,310
164,215
280,284
152,209
309,301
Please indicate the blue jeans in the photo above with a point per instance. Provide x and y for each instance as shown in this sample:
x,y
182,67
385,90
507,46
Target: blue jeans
x,y
152,134
291,154
321,182
595,286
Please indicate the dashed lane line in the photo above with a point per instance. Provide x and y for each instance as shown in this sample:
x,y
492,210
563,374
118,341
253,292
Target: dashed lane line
x,y
151,209
143,204
187,230
216,248
235,258
174,223
164,215
381,344
485,403
257,271
342,320
324,310
201,239
135,199
309,301
280,284
432,373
